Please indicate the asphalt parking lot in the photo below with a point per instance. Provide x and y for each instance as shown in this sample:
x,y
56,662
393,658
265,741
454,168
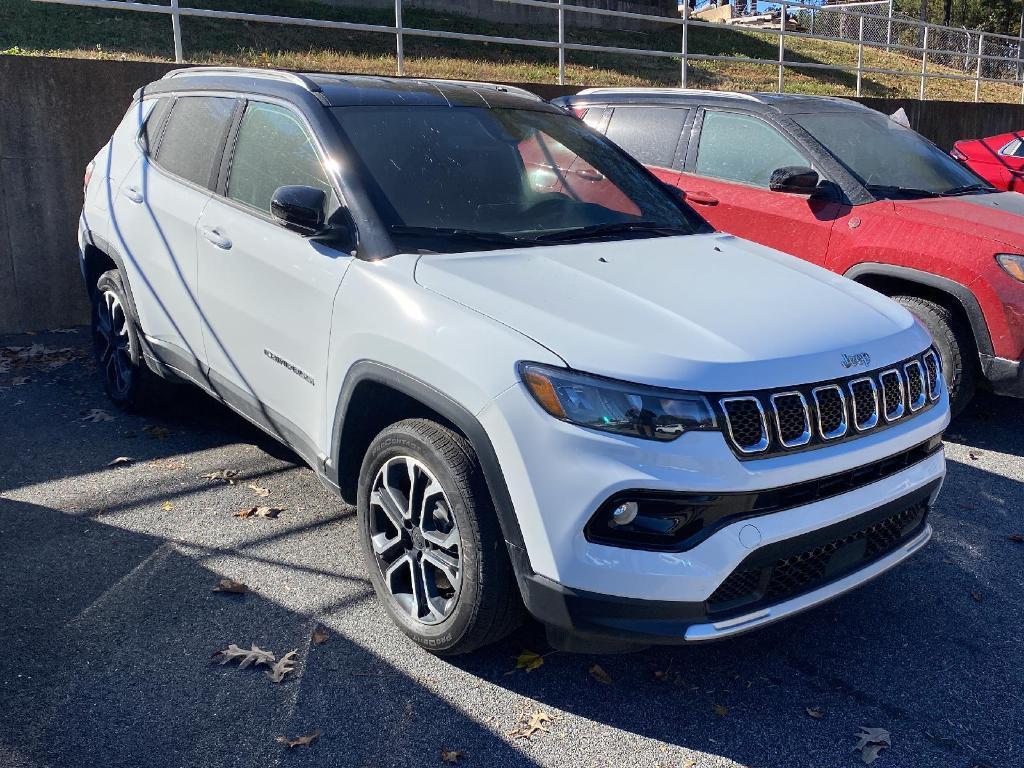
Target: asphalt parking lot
x,y
108,621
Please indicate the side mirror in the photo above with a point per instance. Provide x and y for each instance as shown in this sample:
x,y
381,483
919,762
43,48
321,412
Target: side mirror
x,y
795,179
299,208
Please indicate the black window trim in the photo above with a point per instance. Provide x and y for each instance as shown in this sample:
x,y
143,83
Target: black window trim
x,y
229,155
698,128
148,153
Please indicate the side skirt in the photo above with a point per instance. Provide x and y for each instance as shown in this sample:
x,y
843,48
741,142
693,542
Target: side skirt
x,y
243,403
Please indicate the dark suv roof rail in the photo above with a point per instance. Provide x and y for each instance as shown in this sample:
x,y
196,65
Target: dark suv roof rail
x,y
274,74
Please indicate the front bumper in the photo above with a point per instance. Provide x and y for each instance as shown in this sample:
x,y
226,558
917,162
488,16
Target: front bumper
x,y
589,615
1005,377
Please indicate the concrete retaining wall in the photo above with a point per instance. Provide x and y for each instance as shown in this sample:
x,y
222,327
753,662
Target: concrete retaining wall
x,y
55,113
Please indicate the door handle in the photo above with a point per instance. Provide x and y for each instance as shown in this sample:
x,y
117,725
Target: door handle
x,y
700,198
215,236
590,175
132,193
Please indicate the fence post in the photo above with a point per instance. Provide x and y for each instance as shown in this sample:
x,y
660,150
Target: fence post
x,y
860,53
782,50
399,42
684,67
176,29
561,42
924,62
888,29
977,72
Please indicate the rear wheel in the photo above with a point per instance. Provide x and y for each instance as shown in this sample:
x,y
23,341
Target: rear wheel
x,y
955,345
431,540
117,347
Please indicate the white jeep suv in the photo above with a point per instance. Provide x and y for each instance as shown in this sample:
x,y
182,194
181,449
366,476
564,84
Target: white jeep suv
x,y
544,381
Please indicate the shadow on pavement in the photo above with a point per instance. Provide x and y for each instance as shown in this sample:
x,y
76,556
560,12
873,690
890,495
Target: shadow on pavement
x,y
108,636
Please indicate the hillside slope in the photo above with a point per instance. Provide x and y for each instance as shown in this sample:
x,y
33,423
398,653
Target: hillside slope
x,y
41,29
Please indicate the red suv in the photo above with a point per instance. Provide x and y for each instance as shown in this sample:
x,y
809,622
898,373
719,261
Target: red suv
x,y
997,159
852,190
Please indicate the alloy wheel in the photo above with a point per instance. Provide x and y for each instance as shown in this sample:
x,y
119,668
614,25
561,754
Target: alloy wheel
x,y
415,540
112,342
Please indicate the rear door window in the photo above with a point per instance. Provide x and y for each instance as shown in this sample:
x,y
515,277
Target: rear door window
x,y
743,148
193,138
650,134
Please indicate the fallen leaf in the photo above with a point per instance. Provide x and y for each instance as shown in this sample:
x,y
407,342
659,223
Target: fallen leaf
x,y
95,415
451,755
299,741
231,586
598,673
259,490
992,497
156,431
319,636
978,597
254,656
529,661
167,506
720,710
871,741
973,455
283,667
1016,538
816,712
221,474
267,512
531,725
120,461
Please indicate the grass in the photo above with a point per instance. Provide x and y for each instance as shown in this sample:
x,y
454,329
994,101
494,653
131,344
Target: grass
x,y
29,28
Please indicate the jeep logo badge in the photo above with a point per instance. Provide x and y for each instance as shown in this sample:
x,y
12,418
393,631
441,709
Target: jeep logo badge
x,y
859,359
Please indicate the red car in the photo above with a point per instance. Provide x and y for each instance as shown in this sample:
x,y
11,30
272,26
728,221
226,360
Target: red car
x,y
997,159
847,188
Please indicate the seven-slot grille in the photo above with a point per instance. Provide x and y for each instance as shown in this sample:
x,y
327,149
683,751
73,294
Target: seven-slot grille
x,y
766,423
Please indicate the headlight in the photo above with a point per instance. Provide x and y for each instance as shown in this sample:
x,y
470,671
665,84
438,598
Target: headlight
x,y
616,406
1012,264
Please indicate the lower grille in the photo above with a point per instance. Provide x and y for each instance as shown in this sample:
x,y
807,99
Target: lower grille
x,y
790,574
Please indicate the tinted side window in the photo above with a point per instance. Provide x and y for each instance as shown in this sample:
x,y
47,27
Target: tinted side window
x,y
650,134
743,148
273,149
151,130
193,137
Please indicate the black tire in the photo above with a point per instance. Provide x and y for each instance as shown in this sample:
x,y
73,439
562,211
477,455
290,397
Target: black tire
x,y
117,348
955,344
486,605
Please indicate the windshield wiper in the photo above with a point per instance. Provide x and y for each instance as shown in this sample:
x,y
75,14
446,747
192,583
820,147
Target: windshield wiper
x,y
497,238
615,228
891,190
967,189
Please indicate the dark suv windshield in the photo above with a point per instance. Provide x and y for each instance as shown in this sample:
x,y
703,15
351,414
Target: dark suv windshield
x,y
887,157
472,178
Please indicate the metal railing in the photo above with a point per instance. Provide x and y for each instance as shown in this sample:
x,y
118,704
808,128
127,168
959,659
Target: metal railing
x,y
964,55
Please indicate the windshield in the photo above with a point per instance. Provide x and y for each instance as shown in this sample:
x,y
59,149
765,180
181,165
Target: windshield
x,y
469,178
887,157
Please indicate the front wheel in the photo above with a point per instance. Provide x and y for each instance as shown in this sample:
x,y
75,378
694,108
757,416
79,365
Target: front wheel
x,y
955,345
431,540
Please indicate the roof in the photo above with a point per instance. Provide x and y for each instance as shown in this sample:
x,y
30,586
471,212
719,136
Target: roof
x,y
348,90
782,102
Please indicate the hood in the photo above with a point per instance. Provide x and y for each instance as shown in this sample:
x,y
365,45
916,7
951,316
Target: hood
x,y
708,312
998,216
